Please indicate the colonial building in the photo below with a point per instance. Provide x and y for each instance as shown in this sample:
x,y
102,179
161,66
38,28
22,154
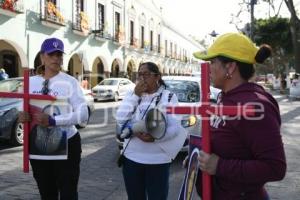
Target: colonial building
x,y
103,38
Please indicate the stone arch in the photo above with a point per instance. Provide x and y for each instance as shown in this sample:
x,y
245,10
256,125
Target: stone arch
x,y
115,68
76,67
131,70
98,72
12,58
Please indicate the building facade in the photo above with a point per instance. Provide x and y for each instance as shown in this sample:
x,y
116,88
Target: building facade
x,y
103,38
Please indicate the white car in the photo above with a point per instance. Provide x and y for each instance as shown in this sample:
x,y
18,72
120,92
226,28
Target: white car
x,y
188,92
112,89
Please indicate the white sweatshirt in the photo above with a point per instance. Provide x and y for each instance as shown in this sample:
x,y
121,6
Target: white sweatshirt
x,y
147,152
66,88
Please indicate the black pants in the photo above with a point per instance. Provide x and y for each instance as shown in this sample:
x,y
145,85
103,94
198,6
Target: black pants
x,y
58,179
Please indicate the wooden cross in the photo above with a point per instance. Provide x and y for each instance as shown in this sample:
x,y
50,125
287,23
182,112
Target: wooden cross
x,y
205,110
26,98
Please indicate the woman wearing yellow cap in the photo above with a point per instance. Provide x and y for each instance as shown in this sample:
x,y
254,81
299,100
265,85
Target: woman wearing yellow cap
x,y
247,152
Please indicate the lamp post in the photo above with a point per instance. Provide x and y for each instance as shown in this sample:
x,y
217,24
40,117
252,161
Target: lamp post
x,y
214,34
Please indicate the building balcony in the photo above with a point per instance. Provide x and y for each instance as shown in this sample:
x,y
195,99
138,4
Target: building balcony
x,y
52,16
118,38
11,8
81,25
102,35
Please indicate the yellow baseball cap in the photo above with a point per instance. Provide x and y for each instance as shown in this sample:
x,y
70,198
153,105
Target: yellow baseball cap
x,y
231,45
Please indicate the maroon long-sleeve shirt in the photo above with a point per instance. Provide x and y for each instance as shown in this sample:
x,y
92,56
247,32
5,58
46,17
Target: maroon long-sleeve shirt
x,y
250,150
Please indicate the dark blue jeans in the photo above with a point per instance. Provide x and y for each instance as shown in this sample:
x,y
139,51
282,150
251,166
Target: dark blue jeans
x,y
58,179
145,181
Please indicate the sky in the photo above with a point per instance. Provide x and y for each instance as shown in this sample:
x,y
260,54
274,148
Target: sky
x,y
200,17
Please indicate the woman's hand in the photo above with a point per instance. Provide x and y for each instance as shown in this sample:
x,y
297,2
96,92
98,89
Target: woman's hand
x,y
41,119
145,137
140,88
208,162
24,117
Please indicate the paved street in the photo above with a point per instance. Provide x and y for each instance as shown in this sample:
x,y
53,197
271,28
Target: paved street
x,y
100,178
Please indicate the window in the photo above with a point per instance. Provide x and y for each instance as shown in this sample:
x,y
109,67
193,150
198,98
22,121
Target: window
x,y
186,91
142,37
131,32
101,20
151,40
158,43
52,1
78,8
117,25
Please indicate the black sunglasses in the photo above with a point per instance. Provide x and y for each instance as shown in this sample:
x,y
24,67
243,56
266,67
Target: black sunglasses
x,y
45,89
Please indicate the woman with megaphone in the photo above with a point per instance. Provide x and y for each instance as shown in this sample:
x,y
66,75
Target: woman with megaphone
x,y
147,156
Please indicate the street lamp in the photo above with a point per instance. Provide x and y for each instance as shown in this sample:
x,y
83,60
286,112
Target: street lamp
x,y
214,34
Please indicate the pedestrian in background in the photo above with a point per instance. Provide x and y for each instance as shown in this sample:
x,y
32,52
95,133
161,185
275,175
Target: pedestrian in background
x,y
3,74
147,160
247,152
58,179
85,83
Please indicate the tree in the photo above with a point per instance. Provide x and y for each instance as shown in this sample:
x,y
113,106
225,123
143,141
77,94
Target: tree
x,y
294,24
295,31
275,32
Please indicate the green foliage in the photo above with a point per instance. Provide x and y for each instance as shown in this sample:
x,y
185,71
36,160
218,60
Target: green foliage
x,y
276,32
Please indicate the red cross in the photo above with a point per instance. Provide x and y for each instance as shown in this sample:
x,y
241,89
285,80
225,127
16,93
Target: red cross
x,y
205,110
26,98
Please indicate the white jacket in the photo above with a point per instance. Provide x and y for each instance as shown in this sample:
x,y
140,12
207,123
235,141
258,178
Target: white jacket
x,y
67,89
149,152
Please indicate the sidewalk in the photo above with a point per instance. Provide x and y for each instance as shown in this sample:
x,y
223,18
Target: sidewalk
x,y
289,187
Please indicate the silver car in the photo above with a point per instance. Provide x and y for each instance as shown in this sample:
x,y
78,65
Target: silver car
x,y
187,90
112,89
10,128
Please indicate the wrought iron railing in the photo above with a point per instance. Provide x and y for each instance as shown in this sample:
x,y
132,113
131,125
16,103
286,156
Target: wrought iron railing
x,y
52,13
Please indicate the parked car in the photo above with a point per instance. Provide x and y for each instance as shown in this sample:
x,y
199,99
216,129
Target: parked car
x,y
10,128
188,92
112,89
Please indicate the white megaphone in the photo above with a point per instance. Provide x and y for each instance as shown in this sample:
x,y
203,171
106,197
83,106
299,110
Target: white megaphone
x,y
154,124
